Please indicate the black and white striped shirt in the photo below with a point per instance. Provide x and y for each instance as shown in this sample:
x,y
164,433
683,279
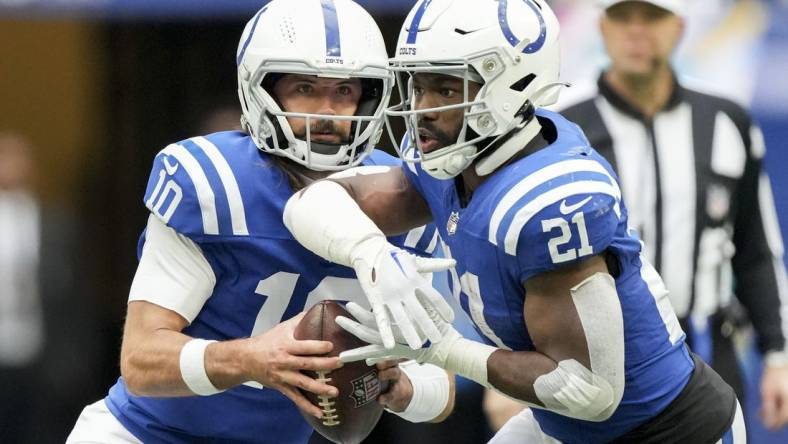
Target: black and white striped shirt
x,y
696,192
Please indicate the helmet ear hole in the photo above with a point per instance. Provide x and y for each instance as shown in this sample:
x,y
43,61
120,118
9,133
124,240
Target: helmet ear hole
x,y
523,83
269,82
371,95
278,132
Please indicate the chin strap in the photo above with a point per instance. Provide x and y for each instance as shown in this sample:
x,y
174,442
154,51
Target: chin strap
x,y
525,131
503,153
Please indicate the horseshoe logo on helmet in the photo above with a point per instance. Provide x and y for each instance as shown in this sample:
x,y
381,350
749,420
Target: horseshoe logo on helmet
x,y
532,47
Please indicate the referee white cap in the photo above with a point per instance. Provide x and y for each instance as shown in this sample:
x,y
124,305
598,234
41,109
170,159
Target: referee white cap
x,y
675,6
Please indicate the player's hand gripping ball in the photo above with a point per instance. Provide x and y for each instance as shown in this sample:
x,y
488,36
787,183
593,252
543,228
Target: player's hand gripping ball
x,y
351,416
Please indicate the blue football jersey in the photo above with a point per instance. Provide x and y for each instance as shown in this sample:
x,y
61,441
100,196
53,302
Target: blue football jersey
x,y
556,206
228,197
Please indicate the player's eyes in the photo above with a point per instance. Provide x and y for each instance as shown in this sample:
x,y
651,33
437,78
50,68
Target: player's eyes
x,y
448,92
344,91
653,15
305,89
418,91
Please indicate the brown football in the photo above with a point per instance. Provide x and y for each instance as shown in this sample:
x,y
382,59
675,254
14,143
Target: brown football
x,y
351,416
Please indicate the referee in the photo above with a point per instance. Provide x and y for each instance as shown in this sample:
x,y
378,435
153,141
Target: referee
x,y
691,174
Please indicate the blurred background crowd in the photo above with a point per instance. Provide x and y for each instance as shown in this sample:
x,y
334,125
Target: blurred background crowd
x,y
90,90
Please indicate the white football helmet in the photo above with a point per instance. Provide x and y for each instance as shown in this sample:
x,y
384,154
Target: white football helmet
x,y
509,46
325,38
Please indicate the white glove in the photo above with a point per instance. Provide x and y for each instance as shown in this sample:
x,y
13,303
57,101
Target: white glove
x,y
326,220
453,352
396,289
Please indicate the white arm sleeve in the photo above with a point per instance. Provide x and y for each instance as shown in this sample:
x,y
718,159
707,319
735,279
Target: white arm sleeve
x,y
342,234
173,272
572,389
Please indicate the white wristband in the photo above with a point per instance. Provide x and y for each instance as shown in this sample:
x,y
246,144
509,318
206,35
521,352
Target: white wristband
x,y
192,361
776,358
430,391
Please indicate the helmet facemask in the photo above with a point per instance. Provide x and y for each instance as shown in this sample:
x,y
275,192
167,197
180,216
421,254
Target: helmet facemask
x,y
478,131
274,133
449,160
283,38
512,46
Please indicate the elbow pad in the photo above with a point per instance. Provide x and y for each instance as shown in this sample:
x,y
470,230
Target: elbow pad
x,y
572,389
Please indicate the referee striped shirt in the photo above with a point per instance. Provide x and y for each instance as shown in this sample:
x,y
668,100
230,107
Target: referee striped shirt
x,y
695,188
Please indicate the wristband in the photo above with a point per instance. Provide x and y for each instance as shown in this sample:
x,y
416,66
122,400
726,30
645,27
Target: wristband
x,y
776,358
192,362
430,391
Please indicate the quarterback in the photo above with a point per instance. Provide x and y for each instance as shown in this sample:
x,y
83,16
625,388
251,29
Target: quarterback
x,y
208,353
578,325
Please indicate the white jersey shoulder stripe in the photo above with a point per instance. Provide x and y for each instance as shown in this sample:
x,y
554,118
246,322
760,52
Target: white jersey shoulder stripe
x,y
538,178
532,208
205,194
237,211
414,236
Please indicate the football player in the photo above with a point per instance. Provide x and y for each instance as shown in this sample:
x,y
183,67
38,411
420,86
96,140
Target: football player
x,y
578,325
208,351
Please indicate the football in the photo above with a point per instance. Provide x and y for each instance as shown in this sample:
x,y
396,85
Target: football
x,y
351,416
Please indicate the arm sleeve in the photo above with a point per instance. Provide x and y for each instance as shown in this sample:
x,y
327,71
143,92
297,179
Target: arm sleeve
x,y
173,272
757,263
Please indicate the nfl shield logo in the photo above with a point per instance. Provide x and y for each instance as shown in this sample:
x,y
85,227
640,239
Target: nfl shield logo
x,y
451,225
366,388
718,201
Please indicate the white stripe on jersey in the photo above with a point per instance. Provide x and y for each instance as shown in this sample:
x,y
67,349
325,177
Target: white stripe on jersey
x,y
205,194
533,207
757,144
413,236
660,293
433,243
412,167
674,139
470,285
771,224
237,212
632,146
456,286
728,154
538,178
